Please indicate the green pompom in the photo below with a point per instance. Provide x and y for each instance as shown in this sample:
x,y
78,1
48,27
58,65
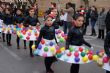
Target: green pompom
x,y
46,49
83,54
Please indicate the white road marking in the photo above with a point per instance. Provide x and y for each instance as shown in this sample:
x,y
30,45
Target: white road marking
x,y
11,53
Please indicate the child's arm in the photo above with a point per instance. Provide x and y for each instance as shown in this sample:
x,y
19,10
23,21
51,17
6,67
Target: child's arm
x,y
86,43
39,38
55,39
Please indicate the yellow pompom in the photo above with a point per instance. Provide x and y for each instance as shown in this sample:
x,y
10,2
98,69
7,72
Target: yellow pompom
x,y
33,47
8,29
52,49
18,33
62,49
14,29
95,57
85,59
30,30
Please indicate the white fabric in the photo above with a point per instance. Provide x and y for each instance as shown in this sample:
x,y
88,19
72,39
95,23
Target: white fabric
x,y
64,17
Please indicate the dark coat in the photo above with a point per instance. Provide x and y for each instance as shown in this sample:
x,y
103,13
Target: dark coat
x,y
107,21
107,44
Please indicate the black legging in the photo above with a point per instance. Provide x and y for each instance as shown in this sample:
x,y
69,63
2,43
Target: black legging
x,y
3,36
48,62
101,34
8,37
18,40
74,68
30,46
107,71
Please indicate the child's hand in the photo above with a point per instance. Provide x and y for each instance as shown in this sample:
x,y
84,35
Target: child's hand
x,y
38,24
92,48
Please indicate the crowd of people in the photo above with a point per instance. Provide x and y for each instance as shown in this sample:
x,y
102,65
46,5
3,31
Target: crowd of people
x,y
74,24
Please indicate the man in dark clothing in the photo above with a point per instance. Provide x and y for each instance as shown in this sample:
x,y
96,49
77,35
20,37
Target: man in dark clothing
x,y
107,46
107,21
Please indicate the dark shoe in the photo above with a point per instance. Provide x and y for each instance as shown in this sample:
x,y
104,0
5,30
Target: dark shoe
x,y
31,55
3,40
7,43
94,34
25,47
50,71
10,44
18,47
99,37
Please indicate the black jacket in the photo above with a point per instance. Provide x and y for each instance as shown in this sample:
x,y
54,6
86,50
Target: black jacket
x,y
93,15
8,19
48,33
31,21
107,21
18,19
107,44
75,37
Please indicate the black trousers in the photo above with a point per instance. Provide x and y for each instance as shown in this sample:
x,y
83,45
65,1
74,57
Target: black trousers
x,y
66,26
107,71
48,62
18,40
30,46
8,38
107,30
74,68
101,34
85,28
3,36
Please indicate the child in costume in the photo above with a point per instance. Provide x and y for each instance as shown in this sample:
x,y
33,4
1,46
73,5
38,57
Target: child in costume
x,y
31,21
18,20
1,19
75,38
8,20
48,32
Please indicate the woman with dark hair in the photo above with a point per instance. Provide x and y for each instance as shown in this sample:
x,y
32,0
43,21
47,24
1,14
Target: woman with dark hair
x,y
70,13
107,21
75,38
93,17
101,23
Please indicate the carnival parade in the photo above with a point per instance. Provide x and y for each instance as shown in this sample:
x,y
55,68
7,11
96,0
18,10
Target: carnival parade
x,y
59,35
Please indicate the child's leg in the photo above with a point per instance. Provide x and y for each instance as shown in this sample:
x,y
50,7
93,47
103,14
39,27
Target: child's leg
x,y
3,36
30,46
48,63
18,40
74,68
103,34
25,44
107,71
99,35
9,39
